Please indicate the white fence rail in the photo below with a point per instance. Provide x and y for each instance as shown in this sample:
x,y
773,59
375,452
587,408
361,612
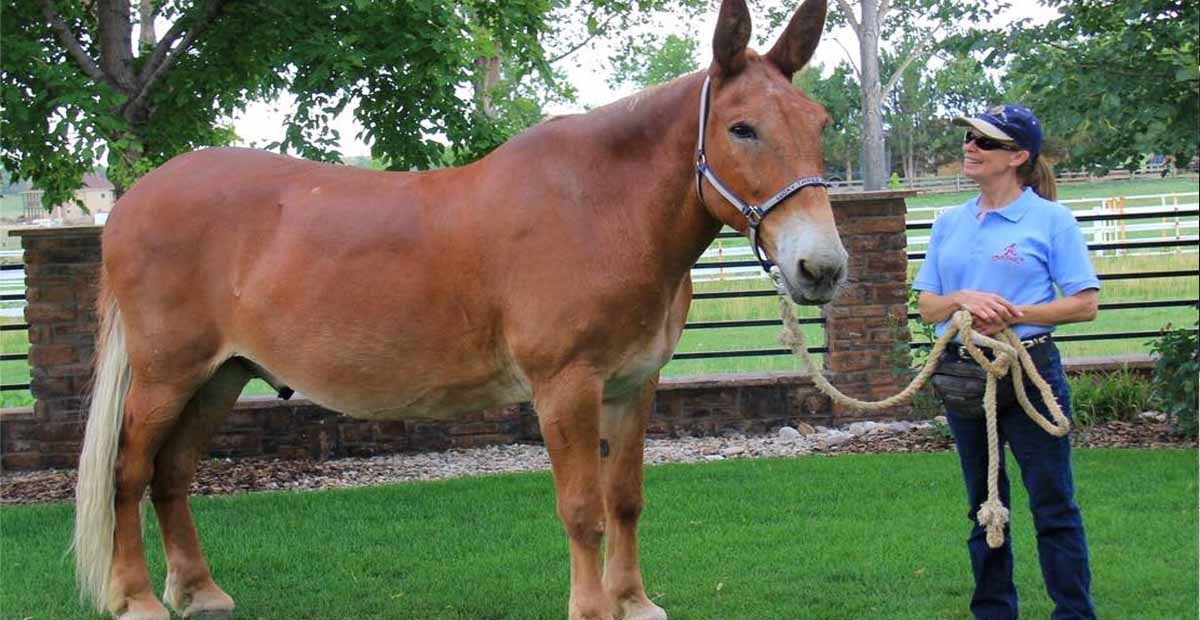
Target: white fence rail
x,y
1181,226
959,183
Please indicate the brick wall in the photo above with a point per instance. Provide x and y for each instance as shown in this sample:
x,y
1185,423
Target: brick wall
x,y
62,268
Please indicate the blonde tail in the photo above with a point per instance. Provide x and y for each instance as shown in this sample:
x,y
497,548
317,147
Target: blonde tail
x,y
96,489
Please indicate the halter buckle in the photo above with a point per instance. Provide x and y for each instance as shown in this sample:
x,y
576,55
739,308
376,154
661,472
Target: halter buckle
x,y
753,214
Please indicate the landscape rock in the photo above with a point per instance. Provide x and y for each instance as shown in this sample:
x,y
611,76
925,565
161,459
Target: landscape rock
x,y
788,432
226,476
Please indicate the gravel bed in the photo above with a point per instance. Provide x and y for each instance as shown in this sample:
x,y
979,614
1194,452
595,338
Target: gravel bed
x,y
227,476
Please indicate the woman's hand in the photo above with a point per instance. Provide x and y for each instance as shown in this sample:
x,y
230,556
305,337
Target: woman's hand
x,y
988,328
989,308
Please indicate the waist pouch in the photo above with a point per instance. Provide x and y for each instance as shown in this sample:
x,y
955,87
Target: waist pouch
x,y
960,382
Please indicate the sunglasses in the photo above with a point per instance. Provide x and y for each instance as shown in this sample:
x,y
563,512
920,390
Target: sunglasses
x,y
985,143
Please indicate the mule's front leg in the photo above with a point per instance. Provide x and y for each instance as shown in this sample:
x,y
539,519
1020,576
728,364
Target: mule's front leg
x,y
568,408
623,434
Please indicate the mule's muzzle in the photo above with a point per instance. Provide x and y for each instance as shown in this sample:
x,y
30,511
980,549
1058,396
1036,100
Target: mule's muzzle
x,y
816,281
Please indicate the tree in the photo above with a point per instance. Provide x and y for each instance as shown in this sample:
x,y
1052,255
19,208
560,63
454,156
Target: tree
x,y
76,92
648,62
73,86
1118,78
963,87
928,22
839,93
920,107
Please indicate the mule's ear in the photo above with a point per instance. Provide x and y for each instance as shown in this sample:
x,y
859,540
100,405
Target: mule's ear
x,y
798,42
731,37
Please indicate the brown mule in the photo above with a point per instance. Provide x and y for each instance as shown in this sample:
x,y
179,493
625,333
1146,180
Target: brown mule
x,y
554,269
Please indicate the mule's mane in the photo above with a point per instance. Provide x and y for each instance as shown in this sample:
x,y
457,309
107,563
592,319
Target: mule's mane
x,y
631,102
656,100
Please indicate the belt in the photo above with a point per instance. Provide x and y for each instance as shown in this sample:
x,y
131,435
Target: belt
x,y
1028,343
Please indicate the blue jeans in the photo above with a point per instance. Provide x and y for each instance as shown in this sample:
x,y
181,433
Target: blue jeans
x,y
1045,463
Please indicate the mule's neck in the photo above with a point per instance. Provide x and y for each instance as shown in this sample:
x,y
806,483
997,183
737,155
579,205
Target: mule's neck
x,y
655,133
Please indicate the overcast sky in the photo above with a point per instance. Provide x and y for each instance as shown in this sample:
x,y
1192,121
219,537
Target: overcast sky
x,y
262,123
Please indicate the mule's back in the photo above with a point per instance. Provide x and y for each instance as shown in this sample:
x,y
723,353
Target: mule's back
x,y
308,270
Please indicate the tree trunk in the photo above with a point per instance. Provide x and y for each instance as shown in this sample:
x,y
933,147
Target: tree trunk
x,y
146,38
849,169
875,168
910,161
487,78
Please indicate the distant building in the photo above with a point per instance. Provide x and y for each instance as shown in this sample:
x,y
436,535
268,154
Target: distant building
x,y
97,195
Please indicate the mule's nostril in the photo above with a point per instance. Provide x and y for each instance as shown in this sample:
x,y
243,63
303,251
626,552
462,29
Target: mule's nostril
x,y
806,272
821,274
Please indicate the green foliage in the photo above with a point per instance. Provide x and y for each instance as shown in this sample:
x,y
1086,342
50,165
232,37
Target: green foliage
x,y
50,107
839,93
1105,397
403,63
649,62
1119,78
1176,374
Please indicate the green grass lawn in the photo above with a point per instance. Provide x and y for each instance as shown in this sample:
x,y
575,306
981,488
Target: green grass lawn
x,y
851,537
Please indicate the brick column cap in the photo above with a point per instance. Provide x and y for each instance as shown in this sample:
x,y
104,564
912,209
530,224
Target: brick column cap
x,y
876,195
57,231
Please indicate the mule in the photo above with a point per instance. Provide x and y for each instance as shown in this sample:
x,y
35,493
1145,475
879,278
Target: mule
x,y
556,269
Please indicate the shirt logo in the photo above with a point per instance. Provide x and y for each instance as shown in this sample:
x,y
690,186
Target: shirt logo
x,y
1009,255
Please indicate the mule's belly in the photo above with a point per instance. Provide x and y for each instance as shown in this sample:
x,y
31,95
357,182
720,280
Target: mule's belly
x,y
369,397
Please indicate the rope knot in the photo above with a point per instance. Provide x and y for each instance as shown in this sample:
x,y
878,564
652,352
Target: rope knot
x,y
993,516
1011,358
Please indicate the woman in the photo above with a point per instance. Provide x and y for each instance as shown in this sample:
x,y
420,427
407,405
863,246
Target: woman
x,y
999,256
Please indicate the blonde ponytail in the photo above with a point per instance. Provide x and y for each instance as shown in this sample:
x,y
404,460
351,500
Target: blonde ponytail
x,y
1040,176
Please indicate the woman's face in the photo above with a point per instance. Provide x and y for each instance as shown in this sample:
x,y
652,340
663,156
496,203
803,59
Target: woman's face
x,y
981,163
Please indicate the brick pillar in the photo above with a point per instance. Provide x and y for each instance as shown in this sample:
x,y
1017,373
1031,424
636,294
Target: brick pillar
x,y
866,325
62,268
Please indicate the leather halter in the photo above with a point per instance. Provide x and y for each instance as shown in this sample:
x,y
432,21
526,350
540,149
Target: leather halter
x,y
754,214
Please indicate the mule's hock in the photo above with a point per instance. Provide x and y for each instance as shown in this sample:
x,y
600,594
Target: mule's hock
x,y
865,343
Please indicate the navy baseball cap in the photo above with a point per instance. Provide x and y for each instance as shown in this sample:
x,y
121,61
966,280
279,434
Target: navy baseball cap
x,y
1010,122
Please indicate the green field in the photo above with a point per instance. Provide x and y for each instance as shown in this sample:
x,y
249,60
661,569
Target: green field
x,y
1072,191
850,537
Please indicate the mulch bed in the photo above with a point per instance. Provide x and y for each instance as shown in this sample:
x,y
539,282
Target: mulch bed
x,y
226,476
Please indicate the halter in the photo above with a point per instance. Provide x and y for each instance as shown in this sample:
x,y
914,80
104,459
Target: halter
x,y
754,214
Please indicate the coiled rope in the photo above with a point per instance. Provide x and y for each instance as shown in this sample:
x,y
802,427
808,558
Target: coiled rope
x,y
992,514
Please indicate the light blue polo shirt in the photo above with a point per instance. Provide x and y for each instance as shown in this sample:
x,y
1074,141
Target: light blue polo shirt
x,y
1019,252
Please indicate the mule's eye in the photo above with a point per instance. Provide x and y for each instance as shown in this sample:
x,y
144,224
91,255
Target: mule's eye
x,y
742,131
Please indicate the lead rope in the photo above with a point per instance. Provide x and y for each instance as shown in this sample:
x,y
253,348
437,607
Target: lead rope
x,y
992,514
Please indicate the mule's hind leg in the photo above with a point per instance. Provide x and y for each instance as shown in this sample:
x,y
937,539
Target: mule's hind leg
x,y
623,433
568,409
190,589
151,410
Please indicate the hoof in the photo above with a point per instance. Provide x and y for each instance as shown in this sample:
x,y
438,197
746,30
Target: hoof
x,y
207,603
143,609
210,614
590,614
641,610
197,612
